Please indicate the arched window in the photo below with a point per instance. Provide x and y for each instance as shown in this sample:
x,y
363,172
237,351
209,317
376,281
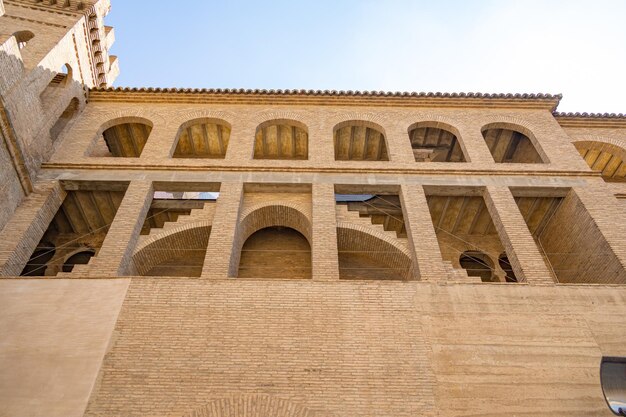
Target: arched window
x,y
70,111
508,143
202,138
504,263
606,158
275,252
434,142
358,140
281,139
124,139
477,264
80,258
22,37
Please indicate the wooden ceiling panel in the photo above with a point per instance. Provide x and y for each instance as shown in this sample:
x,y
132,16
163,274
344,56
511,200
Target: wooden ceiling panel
x,y
431,144
126,139
281,141
360,143
202,140
460,215
508,146
470,211
609,164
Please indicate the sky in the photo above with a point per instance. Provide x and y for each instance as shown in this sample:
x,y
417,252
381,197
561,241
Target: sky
x,y
576,48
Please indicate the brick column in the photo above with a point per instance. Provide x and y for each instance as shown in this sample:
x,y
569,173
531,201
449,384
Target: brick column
x,y
114,257
473,144
321,144
241,143
26,227
524,255
421,234
221,261
324,254
160,142
399,146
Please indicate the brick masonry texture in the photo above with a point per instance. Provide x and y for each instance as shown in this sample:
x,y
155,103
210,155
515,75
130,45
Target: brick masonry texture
x,y
108,339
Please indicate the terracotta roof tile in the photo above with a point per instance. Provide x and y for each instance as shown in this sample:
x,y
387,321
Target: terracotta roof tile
x,y
538,96
590,115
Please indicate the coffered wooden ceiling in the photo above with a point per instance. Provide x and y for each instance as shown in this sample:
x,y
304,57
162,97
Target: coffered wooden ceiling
x,y
84,212
281,141
431,144
360,143
510,146
468,215
127,139
611,166
202,140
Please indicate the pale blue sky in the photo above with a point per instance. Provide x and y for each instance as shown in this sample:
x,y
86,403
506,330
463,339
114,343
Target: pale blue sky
x,y
577,48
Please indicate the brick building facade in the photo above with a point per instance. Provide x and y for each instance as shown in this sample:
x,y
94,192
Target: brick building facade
x,y
295,253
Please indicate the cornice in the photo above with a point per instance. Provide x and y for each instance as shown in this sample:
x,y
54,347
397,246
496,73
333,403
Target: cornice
x,y
592,120
65,166
325,97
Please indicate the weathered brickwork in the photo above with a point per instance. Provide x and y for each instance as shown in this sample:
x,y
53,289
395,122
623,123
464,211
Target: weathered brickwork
x,y
36,91
284,253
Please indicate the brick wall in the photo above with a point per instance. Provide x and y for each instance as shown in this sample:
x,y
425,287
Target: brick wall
x,y
575,246
356,348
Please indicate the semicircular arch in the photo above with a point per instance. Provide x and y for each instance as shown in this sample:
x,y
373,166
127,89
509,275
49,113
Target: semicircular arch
x,y
381,248
534,152
166,246
270,214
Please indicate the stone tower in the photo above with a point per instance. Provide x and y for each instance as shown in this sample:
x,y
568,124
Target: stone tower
x,y
51,53
208,252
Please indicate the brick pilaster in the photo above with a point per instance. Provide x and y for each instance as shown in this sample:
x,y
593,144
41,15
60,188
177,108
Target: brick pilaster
x,y
421,234
324,254
221,260
22,233
114,257
525,257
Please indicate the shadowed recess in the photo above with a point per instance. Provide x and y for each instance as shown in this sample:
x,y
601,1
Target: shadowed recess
x,y
204,138
281,139
276,252
509,145
606,158
434,143
359,141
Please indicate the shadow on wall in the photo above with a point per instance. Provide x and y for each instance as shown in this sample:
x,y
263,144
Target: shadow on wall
x,y
39,105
